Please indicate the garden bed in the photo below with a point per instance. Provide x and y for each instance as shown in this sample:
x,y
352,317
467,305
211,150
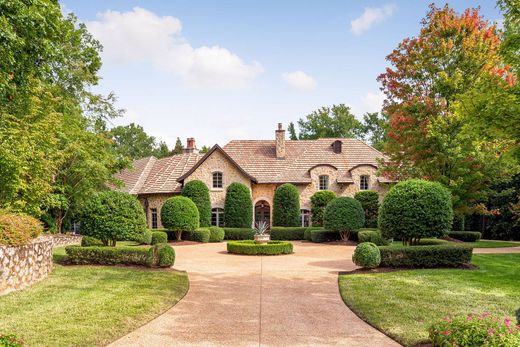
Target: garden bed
x,y
249,247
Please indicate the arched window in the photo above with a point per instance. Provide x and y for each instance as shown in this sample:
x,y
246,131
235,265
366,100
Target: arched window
x,y
217,179
217,217
323,182
305,217
363,182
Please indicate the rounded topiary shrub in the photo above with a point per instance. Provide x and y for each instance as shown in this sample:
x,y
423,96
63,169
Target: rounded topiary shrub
x,y
179,214
369,200
113,216
250,247
343,215
199,235
165,254
88,241
367,255
198,192
18,229
286,206
238,206
216,234
416,209
319,201
159,237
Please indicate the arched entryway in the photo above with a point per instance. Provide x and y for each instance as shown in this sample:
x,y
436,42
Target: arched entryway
x,y
263,212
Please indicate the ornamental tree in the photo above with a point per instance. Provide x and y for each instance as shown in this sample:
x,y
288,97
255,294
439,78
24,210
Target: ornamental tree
x,y
319,201
286,206
238,206
179,214
344,215
198,192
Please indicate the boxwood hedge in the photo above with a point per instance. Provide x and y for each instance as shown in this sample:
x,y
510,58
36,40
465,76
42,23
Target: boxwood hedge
x,y
324,235
239,234
198,192
238,206
367,255
426,256
199,235
103,255
216,234
373,236
286,206
249,247
466,236
159,237
287,233
307,232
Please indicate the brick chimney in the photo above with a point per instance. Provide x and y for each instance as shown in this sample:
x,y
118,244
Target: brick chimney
x,y
190,146
280,142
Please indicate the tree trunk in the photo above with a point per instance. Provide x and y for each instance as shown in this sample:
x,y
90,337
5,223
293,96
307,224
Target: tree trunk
x,y
178,234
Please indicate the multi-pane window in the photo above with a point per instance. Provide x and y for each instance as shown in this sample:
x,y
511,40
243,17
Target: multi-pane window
x,y
153,212
305,216
324,182
363,182
217,217
217,180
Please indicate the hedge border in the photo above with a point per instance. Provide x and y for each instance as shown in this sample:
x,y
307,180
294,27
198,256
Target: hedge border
x,y
249,247
288,233
465,236
426,256
238,234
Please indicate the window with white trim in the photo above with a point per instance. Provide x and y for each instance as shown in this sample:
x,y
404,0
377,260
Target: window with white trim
x,y
153,212
217,217
305,216
363,182
217,179
323,182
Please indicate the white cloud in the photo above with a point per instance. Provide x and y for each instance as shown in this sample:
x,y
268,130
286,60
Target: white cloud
x,y
373,102
299,80
141,36
371,16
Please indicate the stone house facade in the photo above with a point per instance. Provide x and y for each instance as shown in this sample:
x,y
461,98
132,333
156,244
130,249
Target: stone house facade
x,y
344,166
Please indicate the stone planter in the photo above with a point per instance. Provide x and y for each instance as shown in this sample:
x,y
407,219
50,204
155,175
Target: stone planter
x,y
262,238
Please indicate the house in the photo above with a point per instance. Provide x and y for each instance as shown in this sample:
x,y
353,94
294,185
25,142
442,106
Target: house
x,y
344,166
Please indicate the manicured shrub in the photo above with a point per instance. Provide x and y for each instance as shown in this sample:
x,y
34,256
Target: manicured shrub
x,y
458,222
286,206
319,201
87,241
159,237
287,233
324,235
198,192
466,236
113,216
475,330
238,207
216,234
249,247
369,200
199,235
343,215
425,256
239,234
416,209
373,236
367,255
147,237
307,232
109,255
165,254
18,229
10,341
179,214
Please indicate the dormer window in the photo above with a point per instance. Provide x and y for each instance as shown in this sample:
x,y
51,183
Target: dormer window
x,y
363,182
323,182
217,179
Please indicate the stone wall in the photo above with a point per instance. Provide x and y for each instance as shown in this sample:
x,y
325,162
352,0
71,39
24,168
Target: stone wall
x,y
66,240
22,266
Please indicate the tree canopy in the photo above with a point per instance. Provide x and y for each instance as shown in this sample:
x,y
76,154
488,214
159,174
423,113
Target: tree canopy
x,y
335,121
131,141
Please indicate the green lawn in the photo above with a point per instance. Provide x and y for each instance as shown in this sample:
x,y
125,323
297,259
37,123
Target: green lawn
x,y
89,305
493,244
404,304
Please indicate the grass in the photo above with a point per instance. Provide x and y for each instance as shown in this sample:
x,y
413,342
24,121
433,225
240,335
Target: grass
x,y
404,304
493,244
59,254
89,305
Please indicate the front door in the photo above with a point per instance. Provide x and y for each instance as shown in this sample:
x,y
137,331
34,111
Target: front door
x,y
262,212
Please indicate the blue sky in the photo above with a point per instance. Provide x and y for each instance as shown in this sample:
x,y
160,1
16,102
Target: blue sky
x,y
222,70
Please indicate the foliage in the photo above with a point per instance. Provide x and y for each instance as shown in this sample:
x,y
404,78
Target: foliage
x,y
319,201
179,214
110,255
375,128
238,206
292,132
87,241
131,141
369,200
415,209
216,234
147,238
343,215
335,121
287,233
324,235
17,229
307,233
159,237
286,206
165,254
238,234
249,247
112,216
261,228
453,114
475,330
466,236
373,236
10,341
178,147
198,192
199,235
367,255
204,149
501,223
425,256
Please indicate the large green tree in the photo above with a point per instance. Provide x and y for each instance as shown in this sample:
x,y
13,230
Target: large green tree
x,y
375,126
133,142
335,121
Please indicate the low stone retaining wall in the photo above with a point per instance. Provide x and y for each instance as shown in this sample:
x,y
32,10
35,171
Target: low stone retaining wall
x,y
66,239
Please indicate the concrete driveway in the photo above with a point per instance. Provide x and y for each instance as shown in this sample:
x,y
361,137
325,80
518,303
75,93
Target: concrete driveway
x,y
287,300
